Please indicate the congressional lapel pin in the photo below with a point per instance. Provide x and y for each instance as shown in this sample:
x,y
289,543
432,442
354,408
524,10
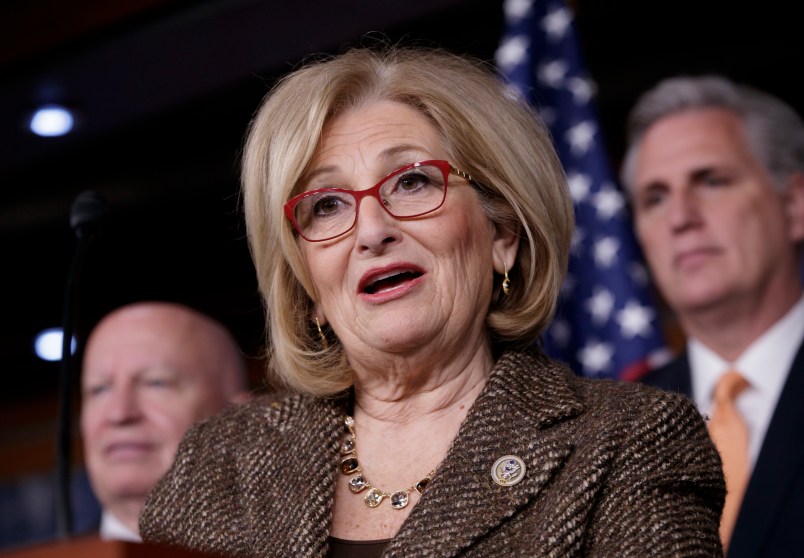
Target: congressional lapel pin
x,y
508,470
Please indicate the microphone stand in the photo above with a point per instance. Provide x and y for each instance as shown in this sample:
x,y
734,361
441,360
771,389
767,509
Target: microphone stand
x,y
87,213
64,516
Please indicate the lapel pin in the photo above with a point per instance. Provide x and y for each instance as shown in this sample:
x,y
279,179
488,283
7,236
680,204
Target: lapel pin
x,y
508,470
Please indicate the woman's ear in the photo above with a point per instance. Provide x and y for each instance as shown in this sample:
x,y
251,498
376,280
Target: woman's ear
x,y
794,205
316,313
505,246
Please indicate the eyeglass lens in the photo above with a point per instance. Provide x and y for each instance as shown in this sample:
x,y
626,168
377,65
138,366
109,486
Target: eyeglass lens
x,y
330,212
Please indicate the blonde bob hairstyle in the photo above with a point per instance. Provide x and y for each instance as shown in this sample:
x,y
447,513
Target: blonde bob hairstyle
x,y
489,132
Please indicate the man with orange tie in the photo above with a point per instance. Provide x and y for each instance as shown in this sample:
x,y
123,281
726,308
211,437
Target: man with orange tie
x,y
715,171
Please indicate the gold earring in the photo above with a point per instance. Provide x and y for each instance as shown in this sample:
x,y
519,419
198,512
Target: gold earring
x,y
506,283
321,334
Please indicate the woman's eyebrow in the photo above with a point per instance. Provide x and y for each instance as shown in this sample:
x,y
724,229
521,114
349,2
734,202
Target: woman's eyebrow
x,y
389,154
328,169
405,149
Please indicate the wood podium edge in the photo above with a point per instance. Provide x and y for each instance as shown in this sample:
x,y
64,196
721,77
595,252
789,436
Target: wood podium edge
x,y
91,546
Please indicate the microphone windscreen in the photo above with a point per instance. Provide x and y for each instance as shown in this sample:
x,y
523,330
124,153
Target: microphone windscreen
x,y
87,213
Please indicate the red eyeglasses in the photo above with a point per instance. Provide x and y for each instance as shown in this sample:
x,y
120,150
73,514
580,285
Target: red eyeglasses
x,y
411,191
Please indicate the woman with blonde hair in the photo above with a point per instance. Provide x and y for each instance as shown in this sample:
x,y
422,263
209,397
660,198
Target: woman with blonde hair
x,y
410,225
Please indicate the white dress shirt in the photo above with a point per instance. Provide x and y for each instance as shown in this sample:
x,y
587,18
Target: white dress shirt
x,y
765,364
112,529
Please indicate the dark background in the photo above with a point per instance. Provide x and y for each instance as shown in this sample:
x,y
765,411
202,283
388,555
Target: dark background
x,y
164,90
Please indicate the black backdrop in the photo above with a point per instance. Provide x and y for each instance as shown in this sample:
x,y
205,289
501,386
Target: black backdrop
x,y
164,96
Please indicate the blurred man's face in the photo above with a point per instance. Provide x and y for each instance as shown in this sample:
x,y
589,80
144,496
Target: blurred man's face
x,y
143,386
713,229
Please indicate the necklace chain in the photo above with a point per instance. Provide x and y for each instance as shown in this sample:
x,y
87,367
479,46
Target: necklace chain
x,y
351,466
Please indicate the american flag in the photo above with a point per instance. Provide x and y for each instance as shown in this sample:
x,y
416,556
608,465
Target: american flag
x,y
606,325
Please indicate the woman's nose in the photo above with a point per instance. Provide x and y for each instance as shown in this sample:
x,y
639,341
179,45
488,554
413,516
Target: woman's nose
x,y
375,227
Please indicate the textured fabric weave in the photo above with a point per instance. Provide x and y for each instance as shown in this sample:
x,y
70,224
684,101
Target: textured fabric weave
x,y
613,469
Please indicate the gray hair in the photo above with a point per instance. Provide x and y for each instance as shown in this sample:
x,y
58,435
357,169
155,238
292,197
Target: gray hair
x,y
773,130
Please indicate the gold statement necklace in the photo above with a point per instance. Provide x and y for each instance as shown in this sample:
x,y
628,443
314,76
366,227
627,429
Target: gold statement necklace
x,y
358,483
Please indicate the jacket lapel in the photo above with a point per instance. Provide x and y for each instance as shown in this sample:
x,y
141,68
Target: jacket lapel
x,y
293,469
524,396
780,463
674,376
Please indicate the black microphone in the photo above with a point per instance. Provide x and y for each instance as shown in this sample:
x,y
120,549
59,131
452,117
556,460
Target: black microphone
x,y
87,215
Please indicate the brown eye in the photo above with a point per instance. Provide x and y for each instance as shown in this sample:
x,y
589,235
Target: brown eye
x,y
651,198
424,180
412,183
327,205
717,180
96,389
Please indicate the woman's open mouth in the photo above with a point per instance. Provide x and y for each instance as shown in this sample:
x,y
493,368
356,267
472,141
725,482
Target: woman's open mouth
x,y
392,279
390,282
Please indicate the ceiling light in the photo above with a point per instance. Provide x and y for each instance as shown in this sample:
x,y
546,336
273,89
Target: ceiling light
x,y
48,344
52,120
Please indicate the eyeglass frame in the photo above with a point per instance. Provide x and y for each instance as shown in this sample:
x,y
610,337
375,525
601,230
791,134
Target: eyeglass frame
x,y
374,192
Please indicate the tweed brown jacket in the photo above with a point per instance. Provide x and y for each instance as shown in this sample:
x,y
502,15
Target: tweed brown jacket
x,y
613,469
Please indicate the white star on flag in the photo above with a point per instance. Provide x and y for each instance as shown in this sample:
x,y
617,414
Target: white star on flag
x,y
580,137
512,52
582,89
635,319
515,10
556,23
608,201
552,73
579,185
600,319
605,251
600,305
595,356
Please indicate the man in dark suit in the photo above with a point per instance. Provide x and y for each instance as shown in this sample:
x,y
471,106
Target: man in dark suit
x,y
150,371
716,175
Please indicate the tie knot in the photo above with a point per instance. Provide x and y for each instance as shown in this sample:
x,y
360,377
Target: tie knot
x,y
729,386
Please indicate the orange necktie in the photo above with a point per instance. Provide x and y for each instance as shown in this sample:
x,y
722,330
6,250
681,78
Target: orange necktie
x,y
730,434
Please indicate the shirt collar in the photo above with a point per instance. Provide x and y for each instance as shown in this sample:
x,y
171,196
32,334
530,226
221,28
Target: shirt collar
x,y
111,528
765,363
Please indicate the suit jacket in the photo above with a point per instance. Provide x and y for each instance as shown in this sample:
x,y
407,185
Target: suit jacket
x,y
771,519
613,469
